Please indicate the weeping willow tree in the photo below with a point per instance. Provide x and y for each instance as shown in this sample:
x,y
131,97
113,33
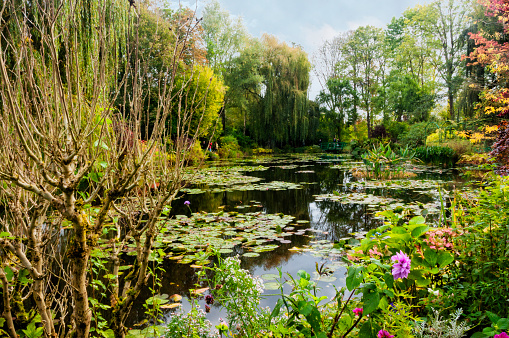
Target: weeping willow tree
x,y
280,115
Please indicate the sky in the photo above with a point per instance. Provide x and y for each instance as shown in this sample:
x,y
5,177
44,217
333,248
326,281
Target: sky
x,y
309,23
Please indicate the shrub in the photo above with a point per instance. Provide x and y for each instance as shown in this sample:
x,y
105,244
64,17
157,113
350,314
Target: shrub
x,y
196,154
396,129
415,136
436,155
379,132
229,147
358,131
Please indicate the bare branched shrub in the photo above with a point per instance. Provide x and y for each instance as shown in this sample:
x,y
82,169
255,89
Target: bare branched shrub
x,y
72,163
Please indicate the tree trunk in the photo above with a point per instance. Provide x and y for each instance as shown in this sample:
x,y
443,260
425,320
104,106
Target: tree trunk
x,y
7,314
451,103
79,256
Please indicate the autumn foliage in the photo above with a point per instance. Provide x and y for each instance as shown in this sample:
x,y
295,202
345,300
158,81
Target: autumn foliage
x,y
493,53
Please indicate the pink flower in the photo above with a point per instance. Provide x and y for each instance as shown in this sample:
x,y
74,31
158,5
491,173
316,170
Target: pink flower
x,y
401,268
384,334
374,252
357,311
501,335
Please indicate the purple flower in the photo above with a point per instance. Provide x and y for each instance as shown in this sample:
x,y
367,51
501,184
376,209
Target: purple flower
x,y
401,268
187,203
207,308
209,299
357,311
501,335
384,334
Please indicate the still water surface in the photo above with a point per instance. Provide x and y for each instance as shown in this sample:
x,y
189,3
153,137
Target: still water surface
x,y
324,220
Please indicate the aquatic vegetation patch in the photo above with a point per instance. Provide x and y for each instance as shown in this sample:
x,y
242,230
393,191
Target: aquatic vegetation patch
x,y
252,233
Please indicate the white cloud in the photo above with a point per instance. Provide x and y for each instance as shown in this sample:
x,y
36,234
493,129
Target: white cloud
x,y
315,37
365,21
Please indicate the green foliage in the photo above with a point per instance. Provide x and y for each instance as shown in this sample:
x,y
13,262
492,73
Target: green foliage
x,y
358,131
394,303
229,147
202,99
337,101
498,325
436,155
191,324
278,114
479,279
396,129
415,136
239,293
382,162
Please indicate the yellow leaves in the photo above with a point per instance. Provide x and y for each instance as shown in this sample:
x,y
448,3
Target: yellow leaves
x,y
476,138
490,129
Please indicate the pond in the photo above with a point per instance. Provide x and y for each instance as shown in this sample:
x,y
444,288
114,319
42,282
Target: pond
x,y
283,213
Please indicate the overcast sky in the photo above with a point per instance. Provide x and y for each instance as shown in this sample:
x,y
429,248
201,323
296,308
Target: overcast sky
x,y
309,23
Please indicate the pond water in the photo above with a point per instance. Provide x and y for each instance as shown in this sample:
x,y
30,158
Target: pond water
x,y
325,202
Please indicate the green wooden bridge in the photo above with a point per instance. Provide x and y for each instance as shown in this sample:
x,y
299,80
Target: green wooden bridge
x,y
332,146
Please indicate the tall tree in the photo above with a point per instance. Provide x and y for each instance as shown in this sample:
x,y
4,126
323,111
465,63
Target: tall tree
x,y
366,64
279,116
337,100
225,37
444,21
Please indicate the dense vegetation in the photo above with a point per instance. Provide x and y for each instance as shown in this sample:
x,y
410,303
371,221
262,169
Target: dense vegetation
x,y
105,103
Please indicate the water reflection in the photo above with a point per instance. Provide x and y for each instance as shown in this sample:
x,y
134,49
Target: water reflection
x,y
330,219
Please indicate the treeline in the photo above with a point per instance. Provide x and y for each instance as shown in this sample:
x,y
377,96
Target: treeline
x,y
413,70
254,89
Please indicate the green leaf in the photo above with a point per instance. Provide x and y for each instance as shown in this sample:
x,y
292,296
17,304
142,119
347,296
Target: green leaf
x,y
389,280
8,273
399,230
365,331
417,220
101,144
277,308
417,232
503,323
304,274
431,257
444,259
371,301
355,277
478,335
493,317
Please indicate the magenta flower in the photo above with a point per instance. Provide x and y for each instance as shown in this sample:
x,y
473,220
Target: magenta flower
x,y
501,335
401,268
357,311
209,299
384,334
187,203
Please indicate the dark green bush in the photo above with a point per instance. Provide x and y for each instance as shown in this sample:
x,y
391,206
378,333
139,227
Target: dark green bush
x,y
416,135
396,129
436,155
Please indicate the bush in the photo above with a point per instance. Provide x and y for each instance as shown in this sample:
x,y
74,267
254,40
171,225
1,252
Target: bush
x,y
358,131
436,155
379,132
244,141
396,129
196,154
415,136
229,147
